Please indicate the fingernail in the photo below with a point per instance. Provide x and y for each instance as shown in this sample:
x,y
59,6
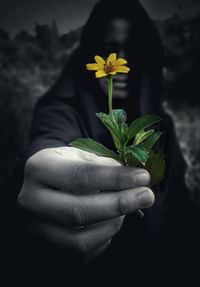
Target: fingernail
x,y
142,178
146,198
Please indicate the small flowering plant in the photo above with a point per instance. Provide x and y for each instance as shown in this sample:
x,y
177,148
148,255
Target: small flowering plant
x,y
134,143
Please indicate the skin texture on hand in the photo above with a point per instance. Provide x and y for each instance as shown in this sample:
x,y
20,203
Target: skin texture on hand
x,y
66,189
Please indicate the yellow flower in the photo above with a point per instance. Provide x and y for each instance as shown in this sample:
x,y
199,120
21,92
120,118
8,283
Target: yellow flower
x,y
110,66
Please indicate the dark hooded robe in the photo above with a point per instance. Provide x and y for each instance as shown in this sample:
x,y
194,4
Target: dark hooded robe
x,y
67,112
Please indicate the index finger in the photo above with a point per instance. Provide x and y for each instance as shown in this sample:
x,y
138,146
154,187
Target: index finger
x,y
79,175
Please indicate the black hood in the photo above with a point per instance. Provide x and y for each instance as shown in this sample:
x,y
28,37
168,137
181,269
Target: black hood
x,y
143,38
144,50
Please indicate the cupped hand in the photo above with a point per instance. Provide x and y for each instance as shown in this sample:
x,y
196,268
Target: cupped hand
x,y
78,200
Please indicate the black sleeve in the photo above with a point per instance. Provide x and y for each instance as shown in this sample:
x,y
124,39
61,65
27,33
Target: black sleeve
x,y
56,119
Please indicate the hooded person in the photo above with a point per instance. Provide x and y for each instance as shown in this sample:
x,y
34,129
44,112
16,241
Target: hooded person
x,y
67,112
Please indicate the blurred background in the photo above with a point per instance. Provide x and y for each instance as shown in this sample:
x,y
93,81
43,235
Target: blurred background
x,y
36,40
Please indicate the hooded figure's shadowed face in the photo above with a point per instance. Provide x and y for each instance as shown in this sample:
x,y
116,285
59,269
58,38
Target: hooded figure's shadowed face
x,y
127,30
115,41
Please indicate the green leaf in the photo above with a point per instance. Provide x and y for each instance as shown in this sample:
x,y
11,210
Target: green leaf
x,y
120,116
140,124
132,161
109,122
156,166
141,136
92,146
151,140
136,155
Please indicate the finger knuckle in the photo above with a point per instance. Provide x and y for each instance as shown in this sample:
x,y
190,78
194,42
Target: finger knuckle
x,y
131,178
118,178
78,213
124,178
83,175
121,206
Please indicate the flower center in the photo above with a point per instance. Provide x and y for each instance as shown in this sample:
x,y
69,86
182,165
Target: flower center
x,y
108,67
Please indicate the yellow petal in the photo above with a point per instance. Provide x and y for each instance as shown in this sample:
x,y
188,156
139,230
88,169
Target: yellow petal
x,y
100,61
113,73
112,58
122,69
93,67
100,74
120,62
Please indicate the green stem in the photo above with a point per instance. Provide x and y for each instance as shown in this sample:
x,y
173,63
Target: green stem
x,y
110,93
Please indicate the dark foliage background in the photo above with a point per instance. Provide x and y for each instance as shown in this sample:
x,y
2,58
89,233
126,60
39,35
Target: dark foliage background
x,y
30,64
